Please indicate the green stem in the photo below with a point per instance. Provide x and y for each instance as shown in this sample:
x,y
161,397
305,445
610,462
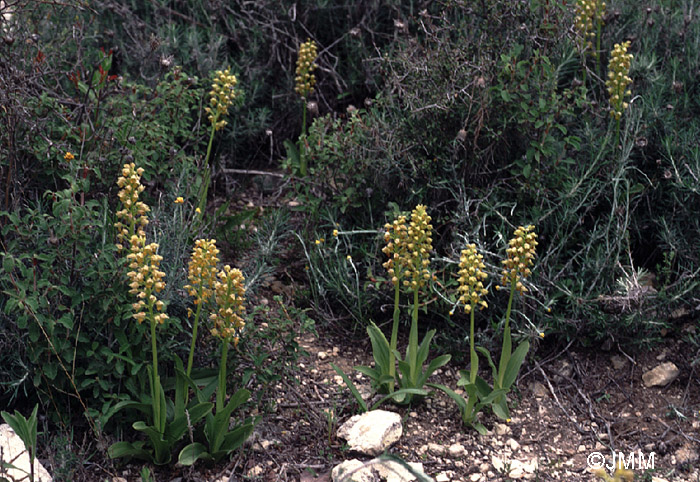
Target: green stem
x,y
473,368
507,344
617,133
206,178
190,359
221,392
302,146
412,354
155,383
597,40
394,336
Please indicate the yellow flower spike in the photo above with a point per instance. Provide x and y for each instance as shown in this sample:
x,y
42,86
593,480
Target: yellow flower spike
x,y
305,79
132,219
516,266
618,79
229,293
408,247
146,279
471,279
222,94
202,270
588,14
68,157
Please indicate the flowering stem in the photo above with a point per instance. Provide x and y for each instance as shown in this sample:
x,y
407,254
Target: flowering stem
x,y
206,179
155,383
474,359
190,359
507,345
413,339
302,146
617,133
599,23
394,336
221,392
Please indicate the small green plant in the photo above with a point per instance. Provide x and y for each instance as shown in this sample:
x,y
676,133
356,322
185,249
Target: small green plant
x,y
221,97
227,321
408,246
305,81
520,256
26,430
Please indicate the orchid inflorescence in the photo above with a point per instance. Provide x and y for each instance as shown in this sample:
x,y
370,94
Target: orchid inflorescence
x,y
221,96
471,279
202,270
146,279
305,78
230,294
588,13
408,247
618,79
133,215
521,254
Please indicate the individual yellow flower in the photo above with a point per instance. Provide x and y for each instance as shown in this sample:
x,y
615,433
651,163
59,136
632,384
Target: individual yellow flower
x,y
588,14
221,96
202,270
471,279
68,157
335,233
521,254
198,211
618,79
179,200
541,334
408,247
132,218
305,79
229,294
146,279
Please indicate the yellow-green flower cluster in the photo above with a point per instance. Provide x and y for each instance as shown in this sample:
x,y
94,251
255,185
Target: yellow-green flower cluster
x,y
471,279
132,218
521,254
588,14
408,248
145,279
202,270
230,295
221,96
618,79
305,79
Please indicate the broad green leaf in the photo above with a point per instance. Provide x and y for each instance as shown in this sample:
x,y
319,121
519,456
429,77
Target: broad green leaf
x,y
352,387
193,452
514,364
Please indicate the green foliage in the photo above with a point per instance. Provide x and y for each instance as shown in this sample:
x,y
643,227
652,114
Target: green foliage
x,y
25,428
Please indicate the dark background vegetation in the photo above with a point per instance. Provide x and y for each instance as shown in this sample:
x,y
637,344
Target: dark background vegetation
x,y
473,108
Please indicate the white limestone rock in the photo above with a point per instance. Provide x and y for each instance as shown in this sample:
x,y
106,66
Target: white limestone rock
x,y
373,432
661,376
14,452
